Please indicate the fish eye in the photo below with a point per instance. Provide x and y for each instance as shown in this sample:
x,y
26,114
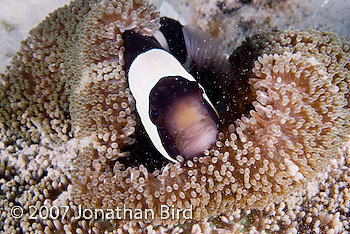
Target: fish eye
x,y
154,114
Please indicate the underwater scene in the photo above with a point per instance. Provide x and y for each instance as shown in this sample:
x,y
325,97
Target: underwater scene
x,y
164,116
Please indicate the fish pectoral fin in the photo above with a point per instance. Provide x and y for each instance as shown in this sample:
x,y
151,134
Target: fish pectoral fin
x,y
206,56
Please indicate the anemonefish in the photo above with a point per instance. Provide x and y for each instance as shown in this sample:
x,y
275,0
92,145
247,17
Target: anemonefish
x,y
170,76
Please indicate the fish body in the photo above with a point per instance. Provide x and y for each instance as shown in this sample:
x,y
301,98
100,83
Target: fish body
x,y
175,111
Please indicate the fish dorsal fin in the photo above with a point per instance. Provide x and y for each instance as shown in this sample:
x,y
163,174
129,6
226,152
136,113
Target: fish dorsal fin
x,y
136,44
172,31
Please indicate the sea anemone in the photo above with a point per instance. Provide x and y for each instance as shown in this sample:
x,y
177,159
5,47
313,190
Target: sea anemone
x,y
67,90
297,122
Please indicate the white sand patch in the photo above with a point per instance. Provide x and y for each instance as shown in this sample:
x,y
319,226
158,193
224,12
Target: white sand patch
x,y
17,18
324,15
